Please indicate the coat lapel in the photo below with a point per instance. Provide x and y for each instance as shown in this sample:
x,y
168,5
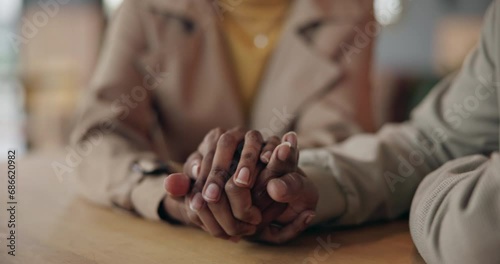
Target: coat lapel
x,y
199,92
297,72
199,60
300,69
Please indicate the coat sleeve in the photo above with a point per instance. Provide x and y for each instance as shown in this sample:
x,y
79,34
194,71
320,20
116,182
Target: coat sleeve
x,y
377,175
115,121
455,215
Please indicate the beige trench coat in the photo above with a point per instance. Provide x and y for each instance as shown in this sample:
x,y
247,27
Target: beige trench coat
x,y
164,80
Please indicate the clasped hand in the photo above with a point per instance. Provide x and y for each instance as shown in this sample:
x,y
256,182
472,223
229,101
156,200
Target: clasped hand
x,y
265,198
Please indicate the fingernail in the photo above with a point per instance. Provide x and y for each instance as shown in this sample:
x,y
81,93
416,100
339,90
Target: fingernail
x,y
283,187
309,219
212,193
165,186
266,157
243,176
283,151
292,138
194,170
196,202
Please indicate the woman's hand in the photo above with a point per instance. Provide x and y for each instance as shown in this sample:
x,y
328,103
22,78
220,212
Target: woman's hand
x,y
251,195
223,198
213,164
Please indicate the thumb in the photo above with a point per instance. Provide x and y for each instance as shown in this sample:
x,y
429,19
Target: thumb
x,y
286,189
177,184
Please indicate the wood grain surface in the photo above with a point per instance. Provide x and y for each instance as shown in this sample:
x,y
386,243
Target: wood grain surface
x,y
54,225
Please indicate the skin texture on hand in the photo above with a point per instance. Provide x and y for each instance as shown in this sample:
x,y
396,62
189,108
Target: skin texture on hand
x,y
175,203
286,185
214,207
254,199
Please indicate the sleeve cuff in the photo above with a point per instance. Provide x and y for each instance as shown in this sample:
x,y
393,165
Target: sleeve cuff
x,y
331,202
147,196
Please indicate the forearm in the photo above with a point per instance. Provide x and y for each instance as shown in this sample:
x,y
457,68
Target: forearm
x,y
116,129
455,216
380,173
332,202
376,175
106,175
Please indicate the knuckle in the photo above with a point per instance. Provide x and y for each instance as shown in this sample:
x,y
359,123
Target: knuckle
x,y
220,174
250,157
253,136
209,156
231,188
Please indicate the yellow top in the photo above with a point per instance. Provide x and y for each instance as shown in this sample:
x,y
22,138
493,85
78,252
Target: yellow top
x,y
252,29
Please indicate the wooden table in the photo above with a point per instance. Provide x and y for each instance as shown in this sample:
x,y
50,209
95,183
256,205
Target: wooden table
x,y
55,225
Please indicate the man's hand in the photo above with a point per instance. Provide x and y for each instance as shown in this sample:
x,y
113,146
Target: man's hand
x,y
286,184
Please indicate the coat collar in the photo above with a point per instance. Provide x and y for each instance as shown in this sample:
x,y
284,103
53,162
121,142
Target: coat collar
x,y
309,71
305,13
285,92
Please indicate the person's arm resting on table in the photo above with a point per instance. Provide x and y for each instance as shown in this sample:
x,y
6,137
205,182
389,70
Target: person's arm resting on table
x,y
116,131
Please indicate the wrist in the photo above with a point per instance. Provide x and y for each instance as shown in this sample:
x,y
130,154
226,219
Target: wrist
x,y
331,202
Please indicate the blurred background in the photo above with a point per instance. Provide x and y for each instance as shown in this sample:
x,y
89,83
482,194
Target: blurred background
x,y
48,50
